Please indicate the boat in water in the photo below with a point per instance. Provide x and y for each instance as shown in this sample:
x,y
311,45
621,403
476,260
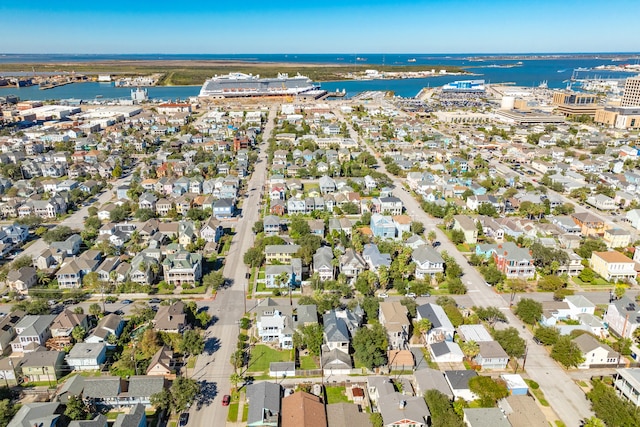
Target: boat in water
x,y
411,60
235,85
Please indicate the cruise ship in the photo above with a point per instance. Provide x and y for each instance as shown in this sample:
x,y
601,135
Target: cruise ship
x,y
234,85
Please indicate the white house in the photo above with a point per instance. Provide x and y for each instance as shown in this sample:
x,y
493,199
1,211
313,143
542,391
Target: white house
x,y
595,353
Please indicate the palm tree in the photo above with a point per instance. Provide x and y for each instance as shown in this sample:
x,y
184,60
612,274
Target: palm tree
x,y
423,326
236,378
470,349
431,236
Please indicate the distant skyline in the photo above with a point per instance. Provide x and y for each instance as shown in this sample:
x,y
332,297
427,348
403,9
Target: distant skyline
x,y
330,26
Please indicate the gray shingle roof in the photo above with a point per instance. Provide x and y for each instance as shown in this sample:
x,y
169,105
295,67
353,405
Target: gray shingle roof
x,y
101,387
145,386
264,401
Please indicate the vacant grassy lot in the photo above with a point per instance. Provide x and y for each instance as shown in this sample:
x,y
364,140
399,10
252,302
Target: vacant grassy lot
x,y
262,355
336,395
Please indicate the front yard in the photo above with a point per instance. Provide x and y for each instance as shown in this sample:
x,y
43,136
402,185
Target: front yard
x,y
263,355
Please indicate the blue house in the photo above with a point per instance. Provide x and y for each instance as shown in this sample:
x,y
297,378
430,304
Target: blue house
x,y
485,251
382,226
223,208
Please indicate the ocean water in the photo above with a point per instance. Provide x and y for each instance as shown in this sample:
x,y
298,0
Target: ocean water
x,y
534,69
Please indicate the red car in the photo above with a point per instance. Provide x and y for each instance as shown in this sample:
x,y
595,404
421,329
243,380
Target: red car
x,y
225,400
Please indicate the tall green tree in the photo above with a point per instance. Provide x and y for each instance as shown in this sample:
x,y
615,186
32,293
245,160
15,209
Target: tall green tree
x,y
566,352
528,310
76,409
509,339
488,390
370,345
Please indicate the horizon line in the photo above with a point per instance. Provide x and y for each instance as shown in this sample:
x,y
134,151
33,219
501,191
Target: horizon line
x,y
333,53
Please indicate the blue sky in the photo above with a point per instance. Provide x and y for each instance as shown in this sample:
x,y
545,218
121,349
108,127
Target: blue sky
x,y
330,26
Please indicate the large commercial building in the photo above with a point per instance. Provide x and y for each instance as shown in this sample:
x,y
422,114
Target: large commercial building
x,y
619,117
575,104
631,95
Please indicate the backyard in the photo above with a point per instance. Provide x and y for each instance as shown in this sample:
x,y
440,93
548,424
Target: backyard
x,y
262,356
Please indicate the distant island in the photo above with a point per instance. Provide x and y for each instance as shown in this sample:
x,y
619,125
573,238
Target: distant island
x,y
195,72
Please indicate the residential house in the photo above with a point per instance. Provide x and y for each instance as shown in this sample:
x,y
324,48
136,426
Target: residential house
x,y
303,409
86,356
22,279
428,262
602,202
616,238
382,226
441,327
137,417
275,324
352,264
8,329
182,268
552,311
323,263
590,225
109,325
578,305
484,417
446,352
402,224
280,253
45,414
379,388
613,266
459,383
393,316
282,276
491,355
374,259
264,401
170,318
595,353
431,379
401,410
32,332
64,323
72,271
161,364
347,415
467,226
336,362
70,247
43,366
390,205
510,259
271,225
627,384
623,317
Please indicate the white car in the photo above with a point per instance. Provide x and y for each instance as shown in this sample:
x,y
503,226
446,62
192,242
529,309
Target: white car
x,y
383,295
411,295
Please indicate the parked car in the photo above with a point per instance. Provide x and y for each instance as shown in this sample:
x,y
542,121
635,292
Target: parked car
x,y
184,419
127,301
383,295
426,295
435,244
411,295
226,400
155,301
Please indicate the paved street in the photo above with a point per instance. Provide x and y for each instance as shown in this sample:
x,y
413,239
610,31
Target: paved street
x,y
563,394
213,368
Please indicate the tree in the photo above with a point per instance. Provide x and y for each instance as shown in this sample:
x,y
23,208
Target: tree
x,y
376,419
490,314
417,227
213,280
254,257
57,234
593,422
36,306
161,400
78,333
117,172
144,215
76,409
192,343
566,352
457,237
528,310
423,326
442,413
371,305
470,349
183,392
236,378
312,338
589,246
411,306
95,309
149,343
510,341
488,389
431,236
456,287
7,411
370,345
610,408
587,275
299,227
22,261
78,310
492,275
237,358
547,335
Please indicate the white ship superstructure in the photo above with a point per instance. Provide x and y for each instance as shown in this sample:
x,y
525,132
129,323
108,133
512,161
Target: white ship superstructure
x,y
247,85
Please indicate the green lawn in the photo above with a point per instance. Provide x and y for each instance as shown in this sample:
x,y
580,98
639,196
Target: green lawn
x,y
308,362
262,355
245,412
336,395
598,281
232,417
196,290
535,389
